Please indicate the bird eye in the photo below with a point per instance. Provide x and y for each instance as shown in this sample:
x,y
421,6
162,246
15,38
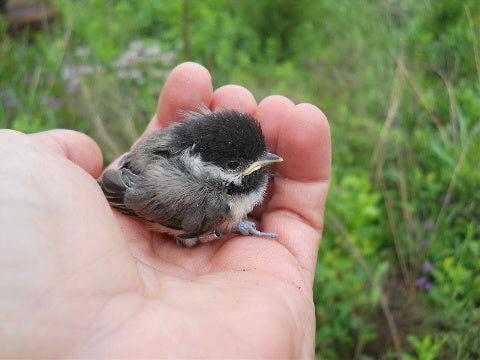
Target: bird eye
x,y
233,165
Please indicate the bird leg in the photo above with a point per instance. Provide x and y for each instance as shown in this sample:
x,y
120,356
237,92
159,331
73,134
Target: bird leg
x,y
244,227
247,227
185,240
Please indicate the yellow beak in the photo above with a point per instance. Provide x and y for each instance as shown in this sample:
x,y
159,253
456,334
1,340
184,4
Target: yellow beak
x,y
265,160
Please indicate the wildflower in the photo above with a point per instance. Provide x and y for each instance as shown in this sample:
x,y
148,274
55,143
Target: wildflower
x,y
423,282
82,51
130,57
68,72
73,74
85,69
11,103
427,266
54,103
120,63
49,78
43,100
157,73
73,85
428,225
136,45
51,103
122,74
424,242
152,51
135,74
168,58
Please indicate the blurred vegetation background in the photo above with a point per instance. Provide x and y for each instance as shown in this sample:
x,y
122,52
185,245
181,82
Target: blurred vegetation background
x,y
398,273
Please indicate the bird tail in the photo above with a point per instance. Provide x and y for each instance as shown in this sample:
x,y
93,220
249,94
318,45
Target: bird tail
x,y
114,184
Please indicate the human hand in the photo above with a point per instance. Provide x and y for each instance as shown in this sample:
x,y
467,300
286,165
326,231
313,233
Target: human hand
x,y
82,280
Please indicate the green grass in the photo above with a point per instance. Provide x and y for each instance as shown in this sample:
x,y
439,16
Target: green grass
x,y
400,83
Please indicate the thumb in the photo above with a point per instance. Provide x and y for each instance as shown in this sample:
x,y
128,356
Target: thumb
x,y
75,146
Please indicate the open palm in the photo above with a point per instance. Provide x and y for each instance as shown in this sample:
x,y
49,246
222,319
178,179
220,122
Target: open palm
x,y
82,280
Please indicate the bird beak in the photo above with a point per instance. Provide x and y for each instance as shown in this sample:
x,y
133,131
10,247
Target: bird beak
x,y
265,160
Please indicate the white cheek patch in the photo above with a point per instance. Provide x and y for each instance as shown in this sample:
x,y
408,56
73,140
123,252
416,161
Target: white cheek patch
x,y
201,169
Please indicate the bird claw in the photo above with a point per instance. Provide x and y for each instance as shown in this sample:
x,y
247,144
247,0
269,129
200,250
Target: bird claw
x,y
187,242
247,227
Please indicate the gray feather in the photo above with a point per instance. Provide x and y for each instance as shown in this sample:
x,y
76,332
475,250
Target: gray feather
x,y
157,144
115,184
179,177
210,215
163,192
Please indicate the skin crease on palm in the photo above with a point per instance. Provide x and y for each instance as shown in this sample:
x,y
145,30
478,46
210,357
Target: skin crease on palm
x,y
79,279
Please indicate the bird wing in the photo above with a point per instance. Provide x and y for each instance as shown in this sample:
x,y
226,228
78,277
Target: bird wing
x,y
151,185
133,194
213,212
117,184
159,144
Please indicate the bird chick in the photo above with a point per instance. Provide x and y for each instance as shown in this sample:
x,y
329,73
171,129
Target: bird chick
x,y
196,179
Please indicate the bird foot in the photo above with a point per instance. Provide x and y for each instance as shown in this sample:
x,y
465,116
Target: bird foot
x,y
247,227
184,240
187,242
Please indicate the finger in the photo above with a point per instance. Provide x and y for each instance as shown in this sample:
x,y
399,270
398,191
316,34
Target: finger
x,y
115,163
233,97
271,113
304,144
152,126
75,146
187,87
297,205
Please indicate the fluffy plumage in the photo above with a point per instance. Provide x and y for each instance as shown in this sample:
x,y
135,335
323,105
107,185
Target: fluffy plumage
x,y
189,178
